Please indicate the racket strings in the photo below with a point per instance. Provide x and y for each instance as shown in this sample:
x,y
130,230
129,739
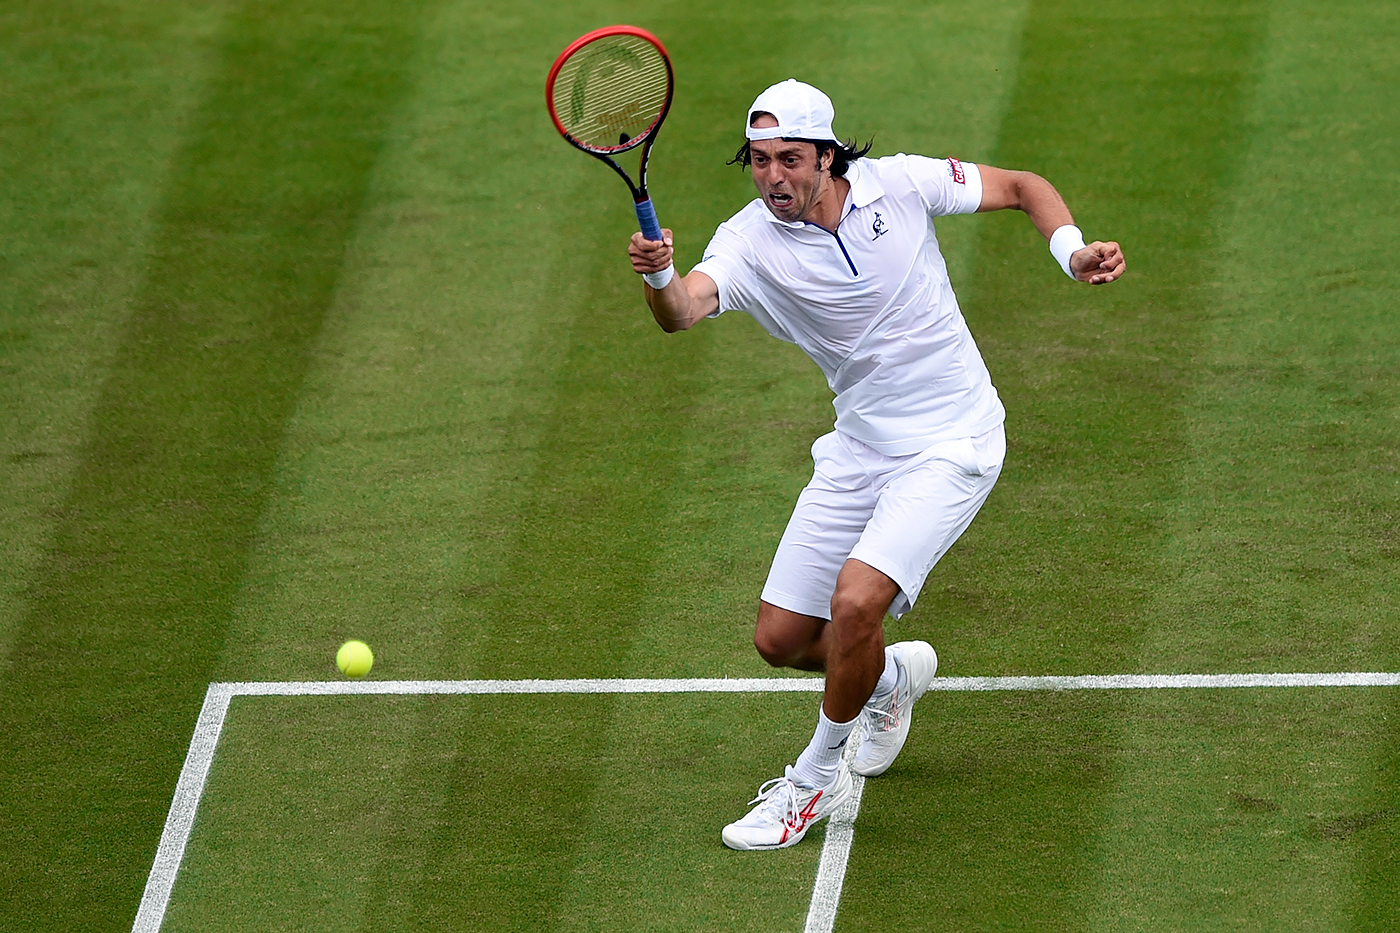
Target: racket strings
x,y
611,92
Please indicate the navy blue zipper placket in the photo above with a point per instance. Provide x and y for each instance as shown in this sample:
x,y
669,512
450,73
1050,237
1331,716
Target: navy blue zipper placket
x,y
855,272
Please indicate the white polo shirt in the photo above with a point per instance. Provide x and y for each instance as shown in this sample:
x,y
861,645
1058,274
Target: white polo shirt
x,y
871,304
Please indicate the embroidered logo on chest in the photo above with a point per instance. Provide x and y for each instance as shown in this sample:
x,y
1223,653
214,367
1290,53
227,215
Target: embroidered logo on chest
x,y
878,227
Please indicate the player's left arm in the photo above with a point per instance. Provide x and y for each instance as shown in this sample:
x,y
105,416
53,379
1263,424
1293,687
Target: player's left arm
x,y
1097,263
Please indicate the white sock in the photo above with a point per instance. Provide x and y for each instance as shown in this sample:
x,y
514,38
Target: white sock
x,y
890,678
820,760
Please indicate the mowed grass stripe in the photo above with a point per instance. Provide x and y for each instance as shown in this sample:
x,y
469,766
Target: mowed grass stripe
x,y
1281,542
396,493
97,97
1309,359
1283,536
127,612
574,535
1135,122
1093,379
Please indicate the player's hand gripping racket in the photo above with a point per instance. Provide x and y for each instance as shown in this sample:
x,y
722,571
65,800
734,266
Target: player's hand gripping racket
x,y
608,93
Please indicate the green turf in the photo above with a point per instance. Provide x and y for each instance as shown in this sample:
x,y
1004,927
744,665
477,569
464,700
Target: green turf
x,y
391,854
144,557
311,328
1221,810
97,101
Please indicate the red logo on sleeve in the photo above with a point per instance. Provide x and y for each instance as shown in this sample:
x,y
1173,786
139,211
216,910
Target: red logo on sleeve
x,y
956,168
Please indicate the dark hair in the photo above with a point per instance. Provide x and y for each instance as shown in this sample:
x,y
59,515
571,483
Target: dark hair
x,y
843,154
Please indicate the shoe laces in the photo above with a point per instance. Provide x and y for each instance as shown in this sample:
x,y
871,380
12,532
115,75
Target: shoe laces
x,y
884,712
779,799
883,716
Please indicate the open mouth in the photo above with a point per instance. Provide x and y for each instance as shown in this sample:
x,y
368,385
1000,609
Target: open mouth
x,y
779,200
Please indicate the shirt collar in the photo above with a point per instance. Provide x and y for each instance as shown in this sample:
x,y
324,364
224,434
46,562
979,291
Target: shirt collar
x,y
865,187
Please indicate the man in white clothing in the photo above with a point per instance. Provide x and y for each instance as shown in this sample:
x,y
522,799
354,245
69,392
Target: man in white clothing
x,y
838,254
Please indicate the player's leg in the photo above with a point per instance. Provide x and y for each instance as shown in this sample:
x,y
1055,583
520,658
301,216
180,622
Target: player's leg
x,y
924,507
793,627
854,665
853,645
830,516
794,630
790,639
857,653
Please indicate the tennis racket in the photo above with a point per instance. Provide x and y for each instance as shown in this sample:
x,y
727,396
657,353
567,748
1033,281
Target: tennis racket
x,y
607,94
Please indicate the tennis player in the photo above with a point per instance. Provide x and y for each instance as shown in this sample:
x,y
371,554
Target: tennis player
x,y
838,255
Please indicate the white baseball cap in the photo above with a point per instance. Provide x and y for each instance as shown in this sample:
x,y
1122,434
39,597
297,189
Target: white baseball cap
x,y
803,112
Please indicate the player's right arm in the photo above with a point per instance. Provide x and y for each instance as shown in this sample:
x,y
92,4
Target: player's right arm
x,y
1097,263
684,300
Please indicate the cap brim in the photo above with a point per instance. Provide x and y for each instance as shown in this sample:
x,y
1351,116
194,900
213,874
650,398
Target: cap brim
x,y
790,132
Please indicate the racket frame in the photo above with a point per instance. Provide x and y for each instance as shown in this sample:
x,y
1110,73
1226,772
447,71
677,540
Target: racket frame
x,y
646,213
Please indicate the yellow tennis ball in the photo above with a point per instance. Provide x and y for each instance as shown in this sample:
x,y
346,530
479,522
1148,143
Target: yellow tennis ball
x,y
354,659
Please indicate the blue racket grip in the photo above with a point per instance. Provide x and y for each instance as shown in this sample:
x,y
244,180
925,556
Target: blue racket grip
x,y
646,218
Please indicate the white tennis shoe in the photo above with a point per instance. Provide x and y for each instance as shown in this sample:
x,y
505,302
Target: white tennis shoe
x,y
786,810
884,722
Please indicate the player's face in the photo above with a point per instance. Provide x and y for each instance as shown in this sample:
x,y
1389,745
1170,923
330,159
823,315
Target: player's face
x,y
788,176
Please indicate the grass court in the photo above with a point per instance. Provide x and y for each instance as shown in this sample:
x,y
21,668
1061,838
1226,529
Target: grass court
x,y
312,328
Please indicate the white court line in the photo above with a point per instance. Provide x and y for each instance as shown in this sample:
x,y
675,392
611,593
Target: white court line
x,y
496,687
802,684
836,852
840,829
178,824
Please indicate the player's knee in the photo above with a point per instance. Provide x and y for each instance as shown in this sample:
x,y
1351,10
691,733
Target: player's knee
x,y
857,611
773,648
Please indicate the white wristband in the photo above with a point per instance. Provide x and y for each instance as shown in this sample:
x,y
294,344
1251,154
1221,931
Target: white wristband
x,y
1064,243
659,280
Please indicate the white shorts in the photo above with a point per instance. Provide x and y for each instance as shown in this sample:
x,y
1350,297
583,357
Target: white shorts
x,y
897,514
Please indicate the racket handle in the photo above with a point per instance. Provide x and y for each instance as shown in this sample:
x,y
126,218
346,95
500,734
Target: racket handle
x,y
646,218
